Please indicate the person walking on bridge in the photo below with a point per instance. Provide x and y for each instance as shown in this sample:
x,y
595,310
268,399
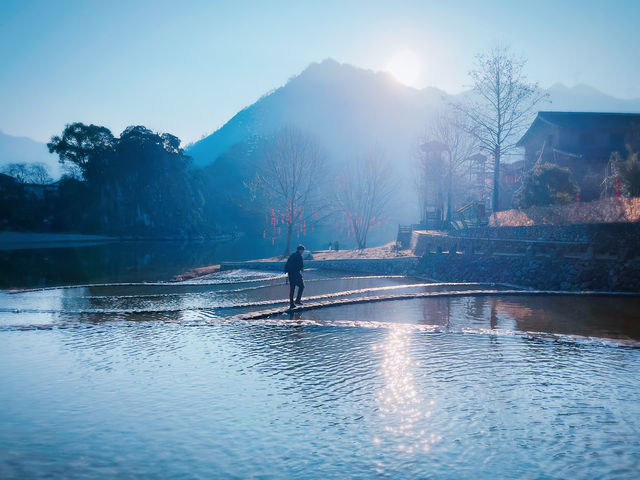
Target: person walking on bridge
x,y
293,268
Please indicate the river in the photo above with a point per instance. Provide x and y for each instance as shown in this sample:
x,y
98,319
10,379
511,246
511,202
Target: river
x,y
115,372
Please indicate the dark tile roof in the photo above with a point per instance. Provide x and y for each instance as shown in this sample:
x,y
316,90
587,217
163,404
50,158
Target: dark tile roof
x,y
584,120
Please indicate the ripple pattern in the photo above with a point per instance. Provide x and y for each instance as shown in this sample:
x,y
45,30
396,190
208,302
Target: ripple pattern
x,y
100,382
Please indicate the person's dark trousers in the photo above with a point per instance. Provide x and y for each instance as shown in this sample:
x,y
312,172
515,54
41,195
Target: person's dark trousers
x,y
295,281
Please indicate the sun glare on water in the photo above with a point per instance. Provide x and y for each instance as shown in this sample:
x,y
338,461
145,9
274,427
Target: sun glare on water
x,y
405,66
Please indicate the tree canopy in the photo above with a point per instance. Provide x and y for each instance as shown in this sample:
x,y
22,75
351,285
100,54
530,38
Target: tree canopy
x,y
138,183
546,184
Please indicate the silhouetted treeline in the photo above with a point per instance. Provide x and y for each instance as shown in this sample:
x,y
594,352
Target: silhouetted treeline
x,y
143,184
140,183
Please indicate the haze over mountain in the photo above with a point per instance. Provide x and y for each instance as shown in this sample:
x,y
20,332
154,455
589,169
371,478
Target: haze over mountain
x,y
351,110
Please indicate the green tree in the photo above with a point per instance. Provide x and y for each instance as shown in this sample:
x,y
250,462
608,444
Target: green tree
x,y
84,149
138,184
155,185
546,184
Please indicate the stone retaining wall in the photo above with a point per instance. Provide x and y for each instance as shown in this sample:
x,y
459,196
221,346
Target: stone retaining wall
x,y
542,272
620,240
434,243
604,233
569,257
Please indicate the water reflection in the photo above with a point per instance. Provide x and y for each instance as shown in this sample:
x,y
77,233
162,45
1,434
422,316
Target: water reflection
x,y
402,410
273,399
606,317
437,312
119,261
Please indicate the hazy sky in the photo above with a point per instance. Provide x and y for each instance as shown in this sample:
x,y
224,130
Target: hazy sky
x,y
186,66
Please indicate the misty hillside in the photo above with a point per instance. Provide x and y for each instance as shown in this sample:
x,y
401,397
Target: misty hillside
x,y
350,110
24,150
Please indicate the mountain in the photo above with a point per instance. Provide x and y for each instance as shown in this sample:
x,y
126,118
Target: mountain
x,y
350,110
24,150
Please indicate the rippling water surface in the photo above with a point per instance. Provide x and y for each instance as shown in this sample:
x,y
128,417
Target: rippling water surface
x,y
161,380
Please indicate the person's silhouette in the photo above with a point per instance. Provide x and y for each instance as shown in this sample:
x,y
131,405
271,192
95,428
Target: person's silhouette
x,y
293,268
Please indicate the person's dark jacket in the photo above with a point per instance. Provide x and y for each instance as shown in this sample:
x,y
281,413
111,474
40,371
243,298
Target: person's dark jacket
x,y
294,265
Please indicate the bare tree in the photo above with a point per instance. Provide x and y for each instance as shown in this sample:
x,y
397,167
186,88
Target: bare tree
x,y
500,106
19,171
292,171
363,191
448,133
39,174
28,173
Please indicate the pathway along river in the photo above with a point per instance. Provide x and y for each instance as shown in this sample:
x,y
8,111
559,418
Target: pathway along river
x,y
166,380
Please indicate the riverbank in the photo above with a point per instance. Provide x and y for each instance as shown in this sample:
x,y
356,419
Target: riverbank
x,y
383,260
386,251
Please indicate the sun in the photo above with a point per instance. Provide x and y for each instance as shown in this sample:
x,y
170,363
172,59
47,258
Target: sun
x,y
405,66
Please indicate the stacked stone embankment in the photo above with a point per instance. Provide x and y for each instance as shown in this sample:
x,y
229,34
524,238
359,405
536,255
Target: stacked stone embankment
x,y
574,257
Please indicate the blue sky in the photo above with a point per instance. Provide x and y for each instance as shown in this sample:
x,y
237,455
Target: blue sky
x,y
187,67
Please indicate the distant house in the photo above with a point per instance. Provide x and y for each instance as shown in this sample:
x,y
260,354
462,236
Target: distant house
x,y
581,141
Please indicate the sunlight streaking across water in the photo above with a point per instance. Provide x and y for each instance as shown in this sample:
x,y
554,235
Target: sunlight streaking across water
x,y
402,409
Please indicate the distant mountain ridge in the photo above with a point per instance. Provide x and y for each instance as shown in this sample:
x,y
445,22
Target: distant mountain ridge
x,y
350,110
583,98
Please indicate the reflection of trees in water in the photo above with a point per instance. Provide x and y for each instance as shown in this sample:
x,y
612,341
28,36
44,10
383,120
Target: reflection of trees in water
x,y
493,319
475,307
436,311
118,262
